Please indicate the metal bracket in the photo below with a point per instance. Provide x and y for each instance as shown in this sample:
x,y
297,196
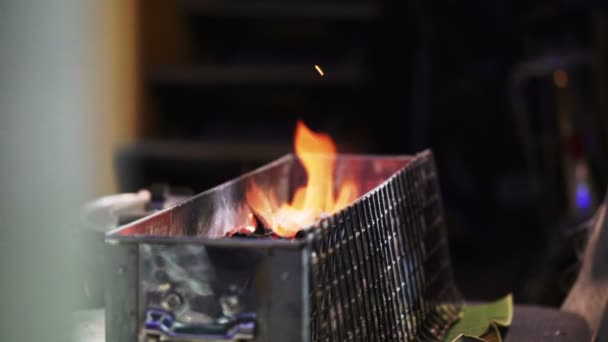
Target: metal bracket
x,y
162,326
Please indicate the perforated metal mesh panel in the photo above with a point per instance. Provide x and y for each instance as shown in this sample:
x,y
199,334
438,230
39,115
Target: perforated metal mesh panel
x,y
381,269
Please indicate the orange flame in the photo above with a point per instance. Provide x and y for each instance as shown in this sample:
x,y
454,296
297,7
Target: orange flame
x,y
317,152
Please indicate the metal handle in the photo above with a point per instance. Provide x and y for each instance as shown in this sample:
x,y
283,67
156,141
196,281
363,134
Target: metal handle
x,y
162,326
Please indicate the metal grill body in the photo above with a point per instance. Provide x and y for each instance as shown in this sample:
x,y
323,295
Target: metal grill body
x,y
376,271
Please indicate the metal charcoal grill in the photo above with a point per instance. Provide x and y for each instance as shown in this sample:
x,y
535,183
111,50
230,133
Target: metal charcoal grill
x,y
377,270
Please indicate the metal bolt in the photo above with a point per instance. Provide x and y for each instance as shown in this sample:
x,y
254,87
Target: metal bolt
x,y
232,301
121,270
284,276
230,305
173,300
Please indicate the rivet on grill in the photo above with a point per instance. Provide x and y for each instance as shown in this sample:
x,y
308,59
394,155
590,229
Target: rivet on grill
x,y
172,301
232,301
230,305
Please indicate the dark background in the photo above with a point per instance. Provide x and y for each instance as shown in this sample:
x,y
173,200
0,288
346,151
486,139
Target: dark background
x,y
509,95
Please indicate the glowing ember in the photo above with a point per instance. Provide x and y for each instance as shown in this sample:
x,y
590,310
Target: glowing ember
x,y
317,152
248,228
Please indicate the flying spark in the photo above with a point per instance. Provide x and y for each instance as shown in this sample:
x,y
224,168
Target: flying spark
x,y
319,70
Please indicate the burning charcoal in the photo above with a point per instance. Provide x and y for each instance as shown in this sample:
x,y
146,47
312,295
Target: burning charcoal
x,y
258,234
254,230
260,229
246,230
241,235
301,234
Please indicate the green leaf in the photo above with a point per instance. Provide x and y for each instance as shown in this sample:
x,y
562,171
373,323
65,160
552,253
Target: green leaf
x,y
466,338
493,335
482,319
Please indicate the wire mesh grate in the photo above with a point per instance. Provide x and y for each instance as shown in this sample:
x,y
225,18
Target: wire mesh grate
x,y
381,269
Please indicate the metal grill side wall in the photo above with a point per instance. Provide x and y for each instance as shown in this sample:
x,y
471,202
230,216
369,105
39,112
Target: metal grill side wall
x,y
381,269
